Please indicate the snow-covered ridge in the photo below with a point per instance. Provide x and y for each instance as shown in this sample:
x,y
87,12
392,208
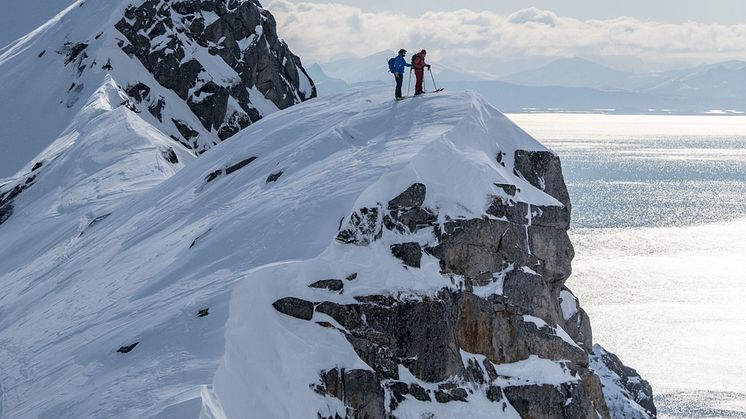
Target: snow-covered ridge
x,y
198,71
250,270
107,155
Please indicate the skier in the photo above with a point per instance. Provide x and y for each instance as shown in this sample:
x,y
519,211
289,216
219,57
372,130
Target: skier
x,y
397,66
419,64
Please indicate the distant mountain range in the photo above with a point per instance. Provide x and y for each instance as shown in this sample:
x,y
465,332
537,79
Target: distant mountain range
x,y
375,68
572,84
569,72
727,79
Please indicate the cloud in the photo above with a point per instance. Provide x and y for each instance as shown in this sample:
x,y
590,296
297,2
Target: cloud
x,y
533,15
323,31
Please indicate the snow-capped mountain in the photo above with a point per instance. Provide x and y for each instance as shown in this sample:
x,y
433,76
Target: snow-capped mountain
x,y
346,257
107,155
325,85
721,80
197,70
335,258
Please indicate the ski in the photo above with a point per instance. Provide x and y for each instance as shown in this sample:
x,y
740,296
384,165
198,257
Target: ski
x,y
429,93
421,94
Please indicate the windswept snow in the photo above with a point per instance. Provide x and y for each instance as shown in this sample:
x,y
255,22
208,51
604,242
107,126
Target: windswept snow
x,y
141,275
107,155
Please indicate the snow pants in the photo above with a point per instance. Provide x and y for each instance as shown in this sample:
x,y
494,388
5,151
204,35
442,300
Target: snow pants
x,y
420,75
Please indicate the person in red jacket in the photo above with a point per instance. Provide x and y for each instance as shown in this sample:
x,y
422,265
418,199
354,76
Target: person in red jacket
x,y
419,64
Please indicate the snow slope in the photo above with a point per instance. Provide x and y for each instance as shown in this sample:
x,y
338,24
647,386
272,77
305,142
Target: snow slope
x,y
192,93
41,94
107,155
214,236
104,158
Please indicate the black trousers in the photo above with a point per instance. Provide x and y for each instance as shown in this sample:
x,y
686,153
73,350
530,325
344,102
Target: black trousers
x,y
399,81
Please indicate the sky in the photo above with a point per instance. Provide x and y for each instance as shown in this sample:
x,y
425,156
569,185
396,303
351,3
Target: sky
x,y
19,17
487,36
499,36
675,11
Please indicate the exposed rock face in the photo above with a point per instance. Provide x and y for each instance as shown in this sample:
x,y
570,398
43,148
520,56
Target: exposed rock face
x,y
257,66
460,341
329,284
357,388
627,394
547,401
10,192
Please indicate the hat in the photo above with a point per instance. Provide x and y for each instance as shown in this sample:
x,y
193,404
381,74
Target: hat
x,y
423,52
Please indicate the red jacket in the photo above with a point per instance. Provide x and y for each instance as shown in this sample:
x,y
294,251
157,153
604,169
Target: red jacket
x,y
418,62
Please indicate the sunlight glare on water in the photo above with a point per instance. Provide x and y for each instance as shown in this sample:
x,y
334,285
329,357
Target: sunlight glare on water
x,y
659,228
627,171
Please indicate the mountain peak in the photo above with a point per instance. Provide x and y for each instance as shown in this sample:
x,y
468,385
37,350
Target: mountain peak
x,y
351,253
198,70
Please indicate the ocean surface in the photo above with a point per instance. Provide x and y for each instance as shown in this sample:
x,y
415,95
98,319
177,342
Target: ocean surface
x,y
659,228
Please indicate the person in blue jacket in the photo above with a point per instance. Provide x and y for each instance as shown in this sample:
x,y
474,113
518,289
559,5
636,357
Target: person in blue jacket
x,y
397,66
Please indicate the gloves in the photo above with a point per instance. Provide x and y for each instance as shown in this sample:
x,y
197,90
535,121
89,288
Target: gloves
x,y
428,66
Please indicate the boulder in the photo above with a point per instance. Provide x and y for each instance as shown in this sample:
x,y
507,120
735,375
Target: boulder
x,y
409,253
413,197
583,399
329,284
294,307
543,170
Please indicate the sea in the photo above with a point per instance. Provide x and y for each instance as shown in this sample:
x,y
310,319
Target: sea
x,y
659,229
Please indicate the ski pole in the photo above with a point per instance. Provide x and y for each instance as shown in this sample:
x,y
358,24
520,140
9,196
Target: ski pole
x,y
431,75
409,83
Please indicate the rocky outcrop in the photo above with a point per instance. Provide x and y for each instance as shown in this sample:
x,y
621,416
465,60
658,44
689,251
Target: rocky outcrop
x,y
628,395
11,191
238,37
229,169
507,307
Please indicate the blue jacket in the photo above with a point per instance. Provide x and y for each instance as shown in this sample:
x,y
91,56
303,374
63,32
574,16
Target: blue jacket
x,y
400,63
